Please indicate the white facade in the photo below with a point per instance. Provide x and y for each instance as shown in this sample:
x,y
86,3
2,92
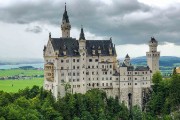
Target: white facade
x,y
76,66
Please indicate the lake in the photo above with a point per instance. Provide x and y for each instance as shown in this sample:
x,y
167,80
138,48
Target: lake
x,y
37,65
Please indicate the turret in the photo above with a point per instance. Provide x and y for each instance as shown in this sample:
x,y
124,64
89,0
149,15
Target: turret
x,y
82,40
65,26
127,60
153,55
81,36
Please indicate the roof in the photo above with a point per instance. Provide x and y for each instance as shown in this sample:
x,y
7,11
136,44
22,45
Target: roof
x,y
130,68
102,45
142,68
71,46
153,40
127,56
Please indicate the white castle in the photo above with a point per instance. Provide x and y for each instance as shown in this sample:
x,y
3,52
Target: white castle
x,y
77,66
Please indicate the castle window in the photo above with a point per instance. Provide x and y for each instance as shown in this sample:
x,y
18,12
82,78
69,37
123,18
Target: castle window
x,y
97,73
102,78
106,78
89,78
62,74
92,73
92,66
77,60
97,84
102,66
73,74
67,61
73,67
73,80
135,83
110,66
102,84
97,78
73,60
70,74
77,67
69,80
135,72
110,78
62,61
96,66
62,68
116,78
110,72
106,84
135,78
96,60
90,60
78,74
78,80
62,80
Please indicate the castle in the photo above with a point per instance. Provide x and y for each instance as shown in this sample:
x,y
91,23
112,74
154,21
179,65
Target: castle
x,y
76,66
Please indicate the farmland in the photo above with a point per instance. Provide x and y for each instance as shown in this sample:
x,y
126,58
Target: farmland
x,y
22,79
15,85
16,72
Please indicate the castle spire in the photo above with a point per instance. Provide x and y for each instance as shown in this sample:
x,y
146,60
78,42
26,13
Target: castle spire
x,y
65,15
82,37
65,26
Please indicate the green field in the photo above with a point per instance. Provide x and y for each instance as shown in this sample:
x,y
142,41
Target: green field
x,y
15,85
13,72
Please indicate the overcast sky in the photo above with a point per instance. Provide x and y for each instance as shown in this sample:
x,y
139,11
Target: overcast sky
x,y
25,24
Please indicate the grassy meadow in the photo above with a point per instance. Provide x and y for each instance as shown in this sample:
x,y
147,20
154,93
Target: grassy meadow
x,y
15,85
13,72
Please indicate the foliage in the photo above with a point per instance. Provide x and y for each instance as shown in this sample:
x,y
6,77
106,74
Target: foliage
x,y
36,103
165,98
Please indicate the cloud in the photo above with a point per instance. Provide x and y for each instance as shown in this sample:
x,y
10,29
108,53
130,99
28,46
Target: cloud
x,y
35,29
126,21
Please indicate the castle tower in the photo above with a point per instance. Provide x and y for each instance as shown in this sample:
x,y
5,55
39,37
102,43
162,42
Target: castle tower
x,y
127,60
65,26
153,55
82,51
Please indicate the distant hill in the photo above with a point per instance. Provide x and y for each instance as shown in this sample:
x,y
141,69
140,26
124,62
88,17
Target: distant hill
x,y
167,61
16,61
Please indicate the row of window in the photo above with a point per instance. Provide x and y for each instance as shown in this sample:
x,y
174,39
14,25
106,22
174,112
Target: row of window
x,y
77,67
77,60
130,73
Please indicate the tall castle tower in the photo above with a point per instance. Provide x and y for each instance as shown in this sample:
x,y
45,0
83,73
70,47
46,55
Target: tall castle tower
x,y
153,55
65,26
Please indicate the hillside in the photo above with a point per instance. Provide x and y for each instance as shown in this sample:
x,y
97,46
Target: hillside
x,y
167,63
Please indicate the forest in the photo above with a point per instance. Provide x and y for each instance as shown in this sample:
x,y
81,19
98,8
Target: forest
x,y
37,104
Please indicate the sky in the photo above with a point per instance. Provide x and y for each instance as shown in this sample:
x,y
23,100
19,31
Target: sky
x,y
25,25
